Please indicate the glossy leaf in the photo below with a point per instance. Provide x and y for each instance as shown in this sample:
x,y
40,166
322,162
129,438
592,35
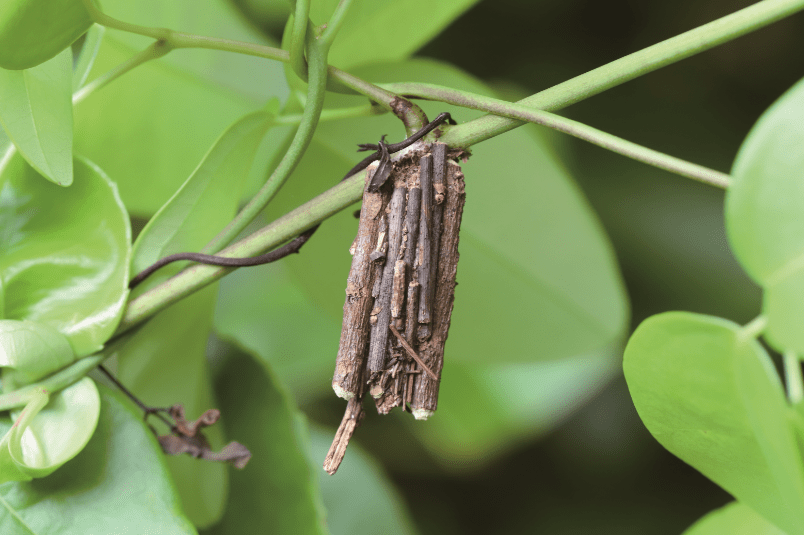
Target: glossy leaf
x,y
58,432
33,31
359,486
208,198
733,519
278,491
165,363
376,32
151,130
32,350
542,296
712,397
37,113
763,215
65,252
118,483
86,56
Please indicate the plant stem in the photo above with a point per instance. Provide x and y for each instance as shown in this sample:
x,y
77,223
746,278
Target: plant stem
x,y
156,50
334,114
301,14
286,227
54,383
754,328
413,117
793,379
316,88
568,126
630,67
335,23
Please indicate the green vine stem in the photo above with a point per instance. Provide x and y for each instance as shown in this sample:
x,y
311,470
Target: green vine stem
x,y
156,50
54,383
316,89
298,34
335,23
175,40
334,114
286,227
630,67
562,124
754,328
793,379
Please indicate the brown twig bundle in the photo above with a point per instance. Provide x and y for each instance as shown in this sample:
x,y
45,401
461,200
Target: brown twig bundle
x,y
400,290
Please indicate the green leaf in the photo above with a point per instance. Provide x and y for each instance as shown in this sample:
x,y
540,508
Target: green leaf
x,y
33,31
151,129
543,296
65,252
33,350
245,76
733,519
359,486
36,110
278,491
376,32
57,432
265,311
763,215
208,198
165,364
86,55
117,484
711,396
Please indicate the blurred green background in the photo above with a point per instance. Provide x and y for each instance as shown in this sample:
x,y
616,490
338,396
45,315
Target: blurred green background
x,y
551,447
600,471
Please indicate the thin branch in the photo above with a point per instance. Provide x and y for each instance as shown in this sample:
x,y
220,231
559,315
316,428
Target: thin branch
x,y
316,88
146,409
567,126
156,50
412,353
281,230
58,381
629,67
212,260
298,34
335,23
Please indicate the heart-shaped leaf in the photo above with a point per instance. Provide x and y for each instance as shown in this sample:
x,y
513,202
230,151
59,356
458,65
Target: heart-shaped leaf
x,y
33,31
733,519
65,252
32,350
763,215
37,113
51,430
117,484
710,394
